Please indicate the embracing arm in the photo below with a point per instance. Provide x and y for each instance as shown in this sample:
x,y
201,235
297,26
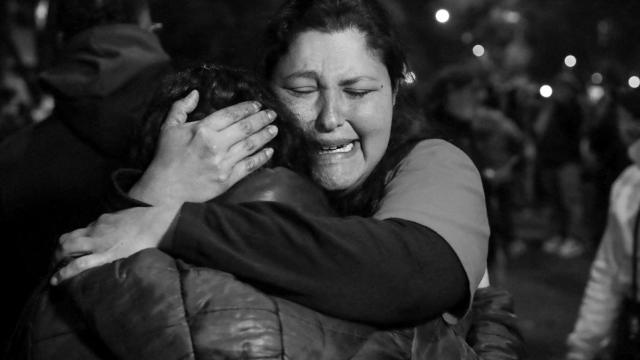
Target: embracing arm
x,y
387,272
423,256
407,266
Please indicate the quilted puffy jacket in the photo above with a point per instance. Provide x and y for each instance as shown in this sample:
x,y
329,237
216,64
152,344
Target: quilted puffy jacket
x,y
152,306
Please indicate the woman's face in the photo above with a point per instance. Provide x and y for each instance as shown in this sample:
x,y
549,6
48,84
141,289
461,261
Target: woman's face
x,y
342,95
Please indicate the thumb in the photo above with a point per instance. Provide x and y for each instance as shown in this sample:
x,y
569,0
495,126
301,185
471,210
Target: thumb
x,y
181,108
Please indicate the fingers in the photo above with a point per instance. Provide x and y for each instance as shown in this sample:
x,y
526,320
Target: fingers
x,y
250,164
251,144
77,266
239,134
248,126
223,118
75,246
69,243
181,108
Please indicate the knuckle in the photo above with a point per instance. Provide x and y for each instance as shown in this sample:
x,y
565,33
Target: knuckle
x,y
217,163
222,176
246,127
201,132
250,145
209,149
251,164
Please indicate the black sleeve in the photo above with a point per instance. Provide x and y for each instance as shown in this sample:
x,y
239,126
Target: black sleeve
x,y
384,272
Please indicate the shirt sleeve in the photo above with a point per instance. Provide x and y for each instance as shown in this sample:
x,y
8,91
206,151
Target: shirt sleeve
x,y
438,186
389,272
609,276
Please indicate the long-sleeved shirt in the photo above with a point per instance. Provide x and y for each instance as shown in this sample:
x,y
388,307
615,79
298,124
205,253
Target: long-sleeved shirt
x,y
610,274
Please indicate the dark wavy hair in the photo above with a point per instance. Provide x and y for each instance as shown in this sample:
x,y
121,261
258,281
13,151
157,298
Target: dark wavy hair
x,y
370,18
220,87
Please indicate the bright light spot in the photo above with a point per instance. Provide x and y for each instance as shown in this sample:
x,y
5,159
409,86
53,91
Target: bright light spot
x,y
410,78
41,13
570,61
596,78
512,17
546,91
478,50
634,82
595,93
442,16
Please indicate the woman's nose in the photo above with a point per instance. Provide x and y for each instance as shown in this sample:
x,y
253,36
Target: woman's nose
x,y
331,113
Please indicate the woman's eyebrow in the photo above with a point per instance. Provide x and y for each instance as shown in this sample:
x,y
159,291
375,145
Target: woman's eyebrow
x,y
351,81
302,74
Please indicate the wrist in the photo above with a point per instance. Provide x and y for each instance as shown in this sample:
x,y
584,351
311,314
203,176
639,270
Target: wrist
x,y
151,190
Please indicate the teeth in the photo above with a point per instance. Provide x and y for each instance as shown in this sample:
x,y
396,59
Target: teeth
x,y
337,149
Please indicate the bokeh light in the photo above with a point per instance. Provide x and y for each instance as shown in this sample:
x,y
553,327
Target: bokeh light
x,y
512,17
570,61
546,91
595,93
634,82
597,78
478,50
442,16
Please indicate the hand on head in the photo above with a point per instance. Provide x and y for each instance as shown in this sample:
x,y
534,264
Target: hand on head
x,y
200,160
195,162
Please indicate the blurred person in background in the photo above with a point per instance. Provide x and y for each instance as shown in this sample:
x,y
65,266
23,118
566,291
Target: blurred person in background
x,y
54,174
604,158
610,276
558,128
459,106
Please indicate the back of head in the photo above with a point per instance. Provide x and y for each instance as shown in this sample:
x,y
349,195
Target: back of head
x,y
75,16
220,87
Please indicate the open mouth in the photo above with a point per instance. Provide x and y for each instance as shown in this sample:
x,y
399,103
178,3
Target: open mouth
x,y
336,149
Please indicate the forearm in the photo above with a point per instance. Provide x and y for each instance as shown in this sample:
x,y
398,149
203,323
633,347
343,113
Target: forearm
x,y
390,272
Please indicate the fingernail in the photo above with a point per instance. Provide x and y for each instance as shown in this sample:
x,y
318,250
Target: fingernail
x,y
268,152
192,94
272,129
257,105
54,280
271,114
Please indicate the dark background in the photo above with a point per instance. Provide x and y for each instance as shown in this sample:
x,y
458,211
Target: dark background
x,y
602,34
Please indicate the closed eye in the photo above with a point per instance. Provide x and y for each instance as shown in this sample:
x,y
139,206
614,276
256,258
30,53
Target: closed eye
x,y
357,93
302,90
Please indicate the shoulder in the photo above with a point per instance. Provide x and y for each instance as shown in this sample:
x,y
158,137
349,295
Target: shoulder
x,y
438,186
436,159
625,192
